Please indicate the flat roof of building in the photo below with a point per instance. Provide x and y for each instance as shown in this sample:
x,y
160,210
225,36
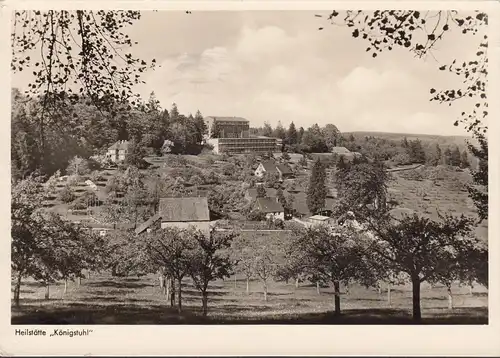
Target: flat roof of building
x,y
319,217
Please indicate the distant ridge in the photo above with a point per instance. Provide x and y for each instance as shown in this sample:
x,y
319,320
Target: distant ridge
x,y
408,135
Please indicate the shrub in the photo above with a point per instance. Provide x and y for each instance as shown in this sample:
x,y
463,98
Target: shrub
x,y
256,215
78,204
73,180
80,166
229,169
401,159
196,180
95,176
275,224
66,195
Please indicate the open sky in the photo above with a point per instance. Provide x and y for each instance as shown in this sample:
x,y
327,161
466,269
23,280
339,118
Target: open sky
x,y
276,66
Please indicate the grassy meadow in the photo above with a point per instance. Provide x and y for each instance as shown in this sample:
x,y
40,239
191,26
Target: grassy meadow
x,y
103,299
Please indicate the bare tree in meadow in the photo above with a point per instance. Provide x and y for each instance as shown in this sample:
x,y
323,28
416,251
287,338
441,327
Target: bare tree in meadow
x,y
170,248
210,260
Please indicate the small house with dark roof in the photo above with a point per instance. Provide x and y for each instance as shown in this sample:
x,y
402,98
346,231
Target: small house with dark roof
x,y
270,166
271,208
284,171
118,151
181,213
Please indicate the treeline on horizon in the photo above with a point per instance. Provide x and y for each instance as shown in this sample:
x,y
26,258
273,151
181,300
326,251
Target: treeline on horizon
x,y
84,130
316,139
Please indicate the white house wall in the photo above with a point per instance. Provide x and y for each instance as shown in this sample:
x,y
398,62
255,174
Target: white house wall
x,y
280,216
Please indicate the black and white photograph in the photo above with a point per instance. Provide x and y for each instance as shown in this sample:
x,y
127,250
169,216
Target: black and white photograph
x,y
249,167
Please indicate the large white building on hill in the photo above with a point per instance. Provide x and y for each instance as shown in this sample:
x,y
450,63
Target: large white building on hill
x,y
232,135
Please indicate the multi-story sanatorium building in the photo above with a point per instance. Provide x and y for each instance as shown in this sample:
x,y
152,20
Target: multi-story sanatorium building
x,y
227,127
231,135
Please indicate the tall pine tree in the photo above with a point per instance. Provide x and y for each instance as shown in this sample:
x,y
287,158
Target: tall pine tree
x,y
447,156
291,135
464,162
436,157
317,191
279,131
455,157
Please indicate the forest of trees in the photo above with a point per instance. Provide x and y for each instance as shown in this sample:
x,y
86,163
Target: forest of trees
x,y
92,130
317,139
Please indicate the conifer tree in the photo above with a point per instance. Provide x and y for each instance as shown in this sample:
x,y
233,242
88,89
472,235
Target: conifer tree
x,y
455,157
447,156
436,157
317,191
261,191
291,135
464,162
281,197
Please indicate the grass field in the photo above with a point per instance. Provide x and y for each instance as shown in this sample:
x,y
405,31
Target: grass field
x,y
446,194
103,299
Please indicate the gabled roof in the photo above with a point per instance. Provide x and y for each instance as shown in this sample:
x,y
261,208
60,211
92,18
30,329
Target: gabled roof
x,y
151,221
229,119
284,169
269,166
184,209
121,144
252,192
269,205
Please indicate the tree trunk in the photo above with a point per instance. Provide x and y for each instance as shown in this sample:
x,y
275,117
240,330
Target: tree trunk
x,y
450,299
166,288
172,292
235,282
336,286
17,290
161,278
470,289
65,286
79,281
317,288
389,301
113,270
204,303
88,274
248,286
347,288
296,283
265,291
379,288
179,295
47,291
417,314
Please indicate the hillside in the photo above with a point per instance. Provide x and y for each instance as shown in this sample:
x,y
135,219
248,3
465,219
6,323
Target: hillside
x,y
431,191
460,141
